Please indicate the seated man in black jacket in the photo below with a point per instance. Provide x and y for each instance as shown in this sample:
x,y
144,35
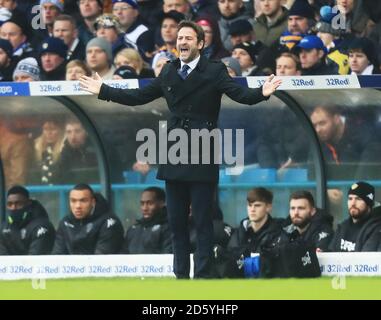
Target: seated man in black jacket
x,y
150,234
356,232
293,253
90,227
309,223
259,227
27,229
369,239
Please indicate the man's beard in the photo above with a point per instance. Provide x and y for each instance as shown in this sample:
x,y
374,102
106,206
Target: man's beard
x,y
357,214
301,223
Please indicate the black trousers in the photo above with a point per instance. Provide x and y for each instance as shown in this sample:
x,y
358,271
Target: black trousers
x,y
180,194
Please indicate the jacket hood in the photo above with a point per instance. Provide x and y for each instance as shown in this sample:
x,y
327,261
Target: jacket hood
x,y
56,74
101,207
271,223
34,211
322,217
375,216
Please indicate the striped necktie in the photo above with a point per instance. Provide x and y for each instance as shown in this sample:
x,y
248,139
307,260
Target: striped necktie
x,y
184,71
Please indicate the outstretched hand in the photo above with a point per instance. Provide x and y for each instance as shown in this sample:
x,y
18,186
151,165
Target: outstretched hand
x,y
91,84
270,85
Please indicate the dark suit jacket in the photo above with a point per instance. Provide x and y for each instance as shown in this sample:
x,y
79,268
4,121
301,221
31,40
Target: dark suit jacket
x,y
194,103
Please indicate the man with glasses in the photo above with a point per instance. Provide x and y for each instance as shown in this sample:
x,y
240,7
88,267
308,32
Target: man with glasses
x,y
137,33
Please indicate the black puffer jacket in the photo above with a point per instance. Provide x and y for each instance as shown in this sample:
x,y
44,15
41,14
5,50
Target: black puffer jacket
x,y
34,235
369,236
58,74
320,68
319,233
245,241
149,236
347,234
100,233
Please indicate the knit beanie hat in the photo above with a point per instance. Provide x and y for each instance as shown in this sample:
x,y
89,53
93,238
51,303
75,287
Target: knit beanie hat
x,y
58,3
132,3
108,20
363,190
249,48
54,45
302,8
325,23
126,72
240,27
29,67
326,27
103,44
100,3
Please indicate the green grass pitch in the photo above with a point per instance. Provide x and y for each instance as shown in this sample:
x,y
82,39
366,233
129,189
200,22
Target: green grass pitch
x,y
171,289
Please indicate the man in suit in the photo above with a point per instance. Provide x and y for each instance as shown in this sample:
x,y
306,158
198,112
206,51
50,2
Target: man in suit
x,y
186,84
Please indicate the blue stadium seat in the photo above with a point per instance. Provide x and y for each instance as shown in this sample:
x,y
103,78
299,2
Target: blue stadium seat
x,y
257,175
150,178
293,175
132,177
224,178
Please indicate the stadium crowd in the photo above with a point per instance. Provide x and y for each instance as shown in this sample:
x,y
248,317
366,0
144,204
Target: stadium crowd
x,y
124,39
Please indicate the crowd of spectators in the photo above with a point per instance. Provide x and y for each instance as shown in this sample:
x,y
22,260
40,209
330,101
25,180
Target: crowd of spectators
x,y
293,37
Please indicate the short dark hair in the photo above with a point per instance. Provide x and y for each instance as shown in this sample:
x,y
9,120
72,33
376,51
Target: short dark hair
x,y
331,110
303,194
190,24
84,186
66,17
159,193
18,190
260,194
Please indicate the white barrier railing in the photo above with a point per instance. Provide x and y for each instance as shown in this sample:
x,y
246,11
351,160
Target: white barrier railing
x,y
50,267
72,88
